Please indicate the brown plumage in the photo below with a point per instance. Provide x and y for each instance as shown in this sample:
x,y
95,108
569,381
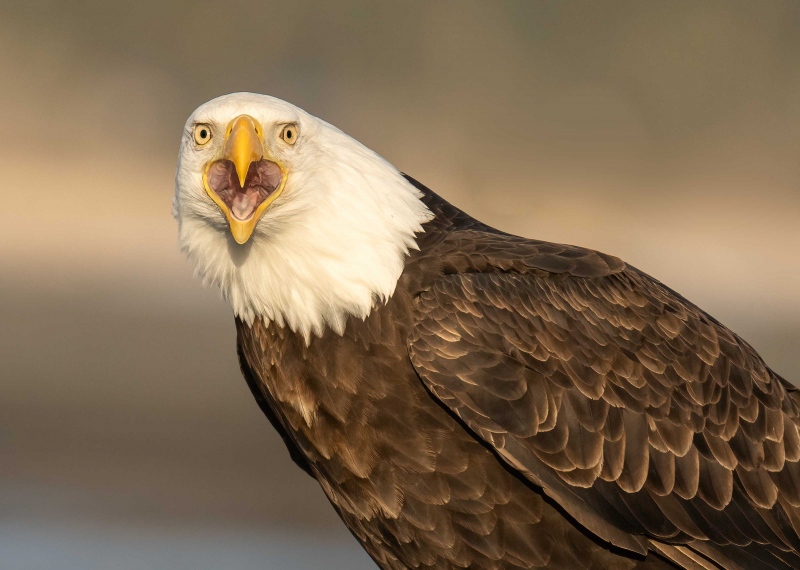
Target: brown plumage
x,y
522,404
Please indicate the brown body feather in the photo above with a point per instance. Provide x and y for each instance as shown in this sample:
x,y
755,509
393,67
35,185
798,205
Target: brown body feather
x,y
521,404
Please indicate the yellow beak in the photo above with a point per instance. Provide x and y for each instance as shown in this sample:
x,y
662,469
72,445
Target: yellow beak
x,y
243,146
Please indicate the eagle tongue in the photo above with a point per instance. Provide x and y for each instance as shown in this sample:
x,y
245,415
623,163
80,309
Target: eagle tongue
x,y
244,204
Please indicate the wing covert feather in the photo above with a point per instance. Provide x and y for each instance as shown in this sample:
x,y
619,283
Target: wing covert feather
x,y
618,396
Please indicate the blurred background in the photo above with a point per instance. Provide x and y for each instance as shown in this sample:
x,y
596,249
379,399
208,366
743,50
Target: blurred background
x,y
666,133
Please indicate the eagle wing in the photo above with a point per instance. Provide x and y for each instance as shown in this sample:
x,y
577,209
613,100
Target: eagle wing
x,y
645,419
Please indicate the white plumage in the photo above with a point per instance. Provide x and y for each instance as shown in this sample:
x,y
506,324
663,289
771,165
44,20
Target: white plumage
x,y
331,245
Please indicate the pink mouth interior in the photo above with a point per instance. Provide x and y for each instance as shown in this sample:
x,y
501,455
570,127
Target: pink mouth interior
x,y
263,177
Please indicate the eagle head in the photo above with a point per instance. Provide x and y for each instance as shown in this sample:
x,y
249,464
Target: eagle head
x,y
293,220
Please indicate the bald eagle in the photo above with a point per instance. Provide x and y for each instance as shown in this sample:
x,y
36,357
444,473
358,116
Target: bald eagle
x,y
468,398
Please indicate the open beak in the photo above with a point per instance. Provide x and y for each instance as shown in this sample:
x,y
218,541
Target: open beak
x,y
243,206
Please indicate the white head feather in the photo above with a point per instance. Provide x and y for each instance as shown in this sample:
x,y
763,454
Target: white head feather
x,y
331,245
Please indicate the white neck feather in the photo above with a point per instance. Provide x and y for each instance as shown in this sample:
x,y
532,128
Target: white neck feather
x,y
331,246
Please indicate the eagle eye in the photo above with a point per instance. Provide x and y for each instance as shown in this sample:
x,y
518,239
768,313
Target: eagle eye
x,y
289,134
202,134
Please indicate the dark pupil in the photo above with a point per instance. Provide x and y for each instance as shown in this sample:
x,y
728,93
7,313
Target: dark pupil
x,y
203,134
288,134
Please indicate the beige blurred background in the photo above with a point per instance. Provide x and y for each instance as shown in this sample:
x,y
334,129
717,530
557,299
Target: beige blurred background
x,y
667,133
